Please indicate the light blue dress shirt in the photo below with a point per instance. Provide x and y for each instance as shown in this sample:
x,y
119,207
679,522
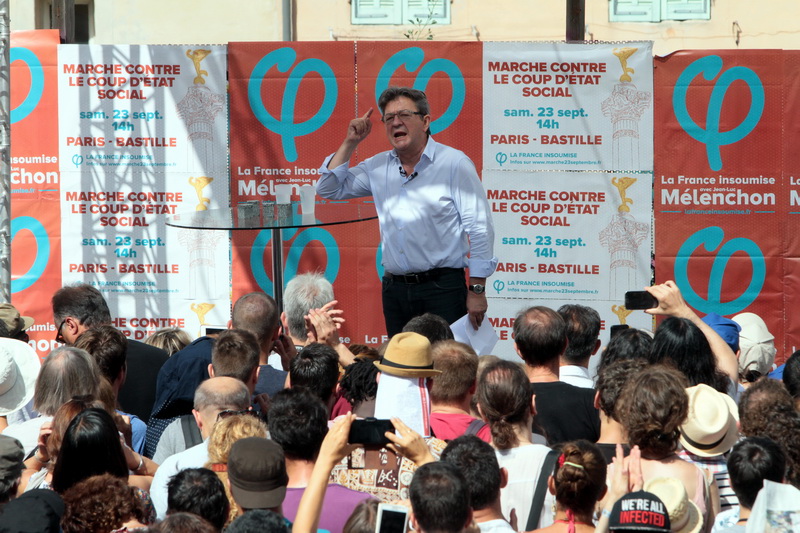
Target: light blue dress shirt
x,y
430,219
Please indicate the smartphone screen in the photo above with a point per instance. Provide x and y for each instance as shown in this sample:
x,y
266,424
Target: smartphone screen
x,y
370,432
392,519
617,329
640,300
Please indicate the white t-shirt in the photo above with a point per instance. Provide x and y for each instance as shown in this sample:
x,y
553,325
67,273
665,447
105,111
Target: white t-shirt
x,y
496,526
524,464
194,457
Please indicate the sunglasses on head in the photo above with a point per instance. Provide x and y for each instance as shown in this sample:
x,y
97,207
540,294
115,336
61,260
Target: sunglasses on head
x,y
227,413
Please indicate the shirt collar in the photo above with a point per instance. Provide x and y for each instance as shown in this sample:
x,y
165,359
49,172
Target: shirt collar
x,y
429,152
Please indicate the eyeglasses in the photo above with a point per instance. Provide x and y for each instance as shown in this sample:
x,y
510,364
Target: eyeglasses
x,y
227,413
403,115
59,338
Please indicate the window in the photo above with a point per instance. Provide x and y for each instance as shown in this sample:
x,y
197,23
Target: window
x,y
658,10
399,11
82,18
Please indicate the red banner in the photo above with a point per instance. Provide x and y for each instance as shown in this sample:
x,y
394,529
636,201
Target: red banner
x,y
290,108
35,181
724,194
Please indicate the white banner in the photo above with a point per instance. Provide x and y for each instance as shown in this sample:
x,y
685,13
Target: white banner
x,y
143,135
570,235
568,106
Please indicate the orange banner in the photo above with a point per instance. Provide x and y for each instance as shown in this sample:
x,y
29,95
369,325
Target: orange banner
x,y
35,181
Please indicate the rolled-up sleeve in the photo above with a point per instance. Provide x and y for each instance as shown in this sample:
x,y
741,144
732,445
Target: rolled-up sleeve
x,y
342,182
476,219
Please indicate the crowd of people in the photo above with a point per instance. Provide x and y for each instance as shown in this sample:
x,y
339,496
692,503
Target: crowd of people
x,y
254,429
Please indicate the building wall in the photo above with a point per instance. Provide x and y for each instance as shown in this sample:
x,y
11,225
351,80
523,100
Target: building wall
x,y
215,21
167,21
774,26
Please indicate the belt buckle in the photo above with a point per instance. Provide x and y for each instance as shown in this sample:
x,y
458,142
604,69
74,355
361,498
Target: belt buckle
x,y
413,278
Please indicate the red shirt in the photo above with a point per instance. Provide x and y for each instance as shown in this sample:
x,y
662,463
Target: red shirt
x,y
449,426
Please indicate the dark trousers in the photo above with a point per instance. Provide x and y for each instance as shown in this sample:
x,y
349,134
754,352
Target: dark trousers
x,y
445,296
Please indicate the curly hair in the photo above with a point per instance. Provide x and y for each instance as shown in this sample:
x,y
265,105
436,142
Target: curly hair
x,y
100,504
504,398
652,407
766,409
225,433
229,430
612,378
579,487
358,383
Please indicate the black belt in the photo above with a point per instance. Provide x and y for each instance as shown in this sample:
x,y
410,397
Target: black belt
x,y
422,277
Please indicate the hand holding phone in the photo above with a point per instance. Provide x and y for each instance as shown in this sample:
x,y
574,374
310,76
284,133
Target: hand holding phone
x,y
640,300
370,432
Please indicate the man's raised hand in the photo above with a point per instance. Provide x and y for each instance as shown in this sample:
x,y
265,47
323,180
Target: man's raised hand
x,y
359,128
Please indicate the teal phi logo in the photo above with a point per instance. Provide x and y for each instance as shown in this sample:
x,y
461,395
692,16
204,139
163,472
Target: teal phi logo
x,y
26,223
710,67
299,242
42,251
283,59
412,59
36,89
711,238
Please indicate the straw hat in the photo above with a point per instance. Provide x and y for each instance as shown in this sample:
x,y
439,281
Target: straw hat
x,y
19,368
711,426
684,515
408,355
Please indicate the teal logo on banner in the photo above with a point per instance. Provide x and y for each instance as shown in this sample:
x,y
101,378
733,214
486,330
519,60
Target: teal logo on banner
x,y
283,59
303,239
710,67
711,238
412,59
36,89
42,251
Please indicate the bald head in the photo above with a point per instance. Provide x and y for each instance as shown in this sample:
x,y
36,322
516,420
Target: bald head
x,y
257,313
215,395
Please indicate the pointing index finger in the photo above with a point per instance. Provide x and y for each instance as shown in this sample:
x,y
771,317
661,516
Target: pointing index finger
x,y
367,114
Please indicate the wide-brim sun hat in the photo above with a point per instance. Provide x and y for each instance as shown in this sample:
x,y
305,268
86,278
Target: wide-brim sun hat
x,y
408,355
711,427
684,514
19,368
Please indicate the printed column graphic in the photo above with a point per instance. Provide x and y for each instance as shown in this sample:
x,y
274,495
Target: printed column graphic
x,y
625,107
622,237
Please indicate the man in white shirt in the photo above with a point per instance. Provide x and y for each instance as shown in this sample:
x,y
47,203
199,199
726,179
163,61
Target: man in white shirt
x,y
583,330
211,398
432,211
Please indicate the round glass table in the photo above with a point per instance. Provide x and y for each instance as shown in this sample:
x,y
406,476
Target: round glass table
x,y
260,215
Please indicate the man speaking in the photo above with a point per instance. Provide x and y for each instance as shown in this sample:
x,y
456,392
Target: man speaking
x,y
432,211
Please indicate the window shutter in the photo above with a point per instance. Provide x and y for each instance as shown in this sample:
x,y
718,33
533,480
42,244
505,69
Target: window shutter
x,y
438,10
376,12
634,10
686,9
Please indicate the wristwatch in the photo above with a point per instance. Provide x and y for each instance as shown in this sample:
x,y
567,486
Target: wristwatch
x,y
477,288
